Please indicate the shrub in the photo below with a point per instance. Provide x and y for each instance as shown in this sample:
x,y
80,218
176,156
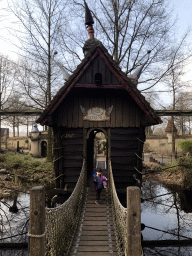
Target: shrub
x,y
185,162
2,158
186,165
185,146
13,161
16,161
187,182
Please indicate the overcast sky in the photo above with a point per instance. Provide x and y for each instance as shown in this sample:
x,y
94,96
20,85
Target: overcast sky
x,y
182,8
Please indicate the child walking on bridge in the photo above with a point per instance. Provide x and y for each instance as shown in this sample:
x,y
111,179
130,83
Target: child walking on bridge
x,y
100,182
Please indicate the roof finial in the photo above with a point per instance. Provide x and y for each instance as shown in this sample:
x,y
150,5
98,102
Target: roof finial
x,y
89,21
136,75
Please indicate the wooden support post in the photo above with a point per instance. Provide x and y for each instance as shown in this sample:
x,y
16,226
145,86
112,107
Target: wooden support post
x,y
133,221
37,221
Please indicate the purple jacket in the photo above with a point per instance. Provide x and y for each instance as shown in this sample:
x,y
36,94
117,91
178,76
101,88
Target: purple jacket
x,y
98,182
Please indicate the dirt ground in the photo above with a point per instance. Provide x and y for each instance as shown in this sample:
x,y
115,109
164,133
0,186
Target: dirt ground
x,y
168,177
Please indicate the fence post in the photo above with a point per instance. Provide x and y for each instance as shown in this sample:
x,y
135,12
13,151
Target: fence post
x,y
37,221
133,221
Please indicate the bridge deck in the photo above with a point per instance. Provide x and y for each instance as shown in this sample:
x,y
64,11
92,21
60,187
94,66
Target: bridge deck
x,y
95,233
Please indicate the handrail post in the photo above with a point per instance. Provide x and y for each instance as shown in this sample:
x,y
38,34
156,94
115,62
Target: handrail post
x,y
37,221
133,221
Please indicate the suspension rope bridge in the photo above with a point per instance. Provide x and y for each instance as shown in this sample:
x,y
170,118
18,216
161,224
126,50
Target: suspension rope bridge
x,y
81,227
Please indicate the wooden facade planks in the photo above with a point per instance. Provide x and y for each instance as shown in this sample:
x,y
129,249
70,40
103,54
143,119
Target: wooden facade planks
x,y
69,156
56,148
125,112
76,112
80,112
98,66
125,147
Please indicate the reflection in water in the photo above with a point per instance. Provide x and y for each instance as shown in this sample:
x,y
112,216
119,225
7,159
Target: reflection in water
x,y
14,220
177,251
170,213
14,252
185,201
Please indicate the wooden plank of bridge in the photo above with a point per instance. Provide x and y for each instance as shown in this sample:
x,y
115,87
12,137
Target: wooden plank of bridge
x,y
94,239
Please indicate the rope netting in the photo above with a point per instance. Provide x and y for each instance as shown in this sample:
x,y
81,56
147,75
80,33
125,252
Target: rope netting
x,y
61,222
119,215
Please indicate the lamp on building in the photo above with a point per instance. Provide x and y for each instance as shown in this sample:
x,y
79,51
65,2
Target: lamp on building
x,y
34,128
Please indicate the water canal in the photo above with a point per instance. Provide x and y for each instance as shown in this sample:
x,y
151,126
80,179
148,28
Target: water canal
x,y
14,224
167,217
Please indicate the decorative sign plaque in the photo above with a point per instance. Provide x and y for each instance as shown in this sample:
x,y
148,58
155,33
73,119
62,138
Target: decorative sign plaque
x,y
96,114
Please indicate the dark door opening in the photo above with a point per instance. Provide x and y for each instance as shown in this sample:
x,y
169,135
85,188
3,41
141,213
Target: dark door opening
x,y
43,149
96,150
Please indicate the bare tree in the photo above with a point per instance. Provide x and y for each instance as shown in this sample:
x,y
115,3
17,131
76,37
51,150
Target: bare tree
x,y
184,103
128,29
174,79
40,23
7,77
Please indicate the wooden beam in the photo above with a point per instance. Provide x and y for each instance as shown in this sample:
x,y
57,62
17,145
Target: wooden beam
x,y
174,112
39,112
167,243
103,86
21,112
11,246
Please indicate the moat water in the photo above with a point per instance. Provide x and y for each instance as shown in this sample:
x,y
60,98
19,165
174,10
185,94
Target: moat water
x,y
14,225
166,213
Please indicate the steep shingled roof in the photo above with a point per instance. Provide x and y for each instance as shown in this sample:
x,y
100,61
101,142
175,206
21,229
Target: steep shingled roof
x,y
169,126
125,82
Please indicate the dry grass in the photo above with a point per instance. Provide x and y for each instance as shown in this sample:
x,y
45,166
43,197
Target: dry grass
x,y
24,172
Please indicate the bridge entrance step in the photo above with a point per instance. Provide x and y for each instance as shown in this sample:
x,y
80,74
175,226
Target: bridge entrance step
x,y
95,234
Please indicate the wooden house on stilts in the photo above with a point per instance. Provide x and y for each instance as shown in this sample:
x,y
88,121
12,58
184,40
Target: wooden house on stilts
x,y
98,96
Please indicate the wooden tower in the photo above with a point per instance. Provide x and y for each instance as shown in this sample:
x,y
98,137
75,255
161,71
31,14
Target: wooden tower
x,y
98,96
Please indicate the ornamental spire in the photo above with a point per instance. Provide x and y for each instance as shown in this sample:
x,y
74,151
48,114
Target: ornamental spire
x,y
89,21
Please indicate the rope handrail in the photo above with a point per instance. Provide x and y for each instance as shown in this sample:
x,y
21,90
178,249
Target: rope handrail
x,y
119,213
61,222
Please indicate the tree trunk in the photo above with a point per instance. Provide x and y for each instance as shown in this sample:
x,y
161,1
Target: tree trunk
x,y
50,136
14,126
17,127
173,136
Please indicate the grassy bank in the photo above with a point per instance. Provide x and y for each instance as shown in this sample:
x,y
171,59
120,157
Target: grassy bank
x,y
179,173
21,172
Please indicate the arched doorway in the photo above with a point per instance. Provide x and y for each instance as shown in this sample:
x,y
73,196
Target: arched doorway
x,y
43,149
97,141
